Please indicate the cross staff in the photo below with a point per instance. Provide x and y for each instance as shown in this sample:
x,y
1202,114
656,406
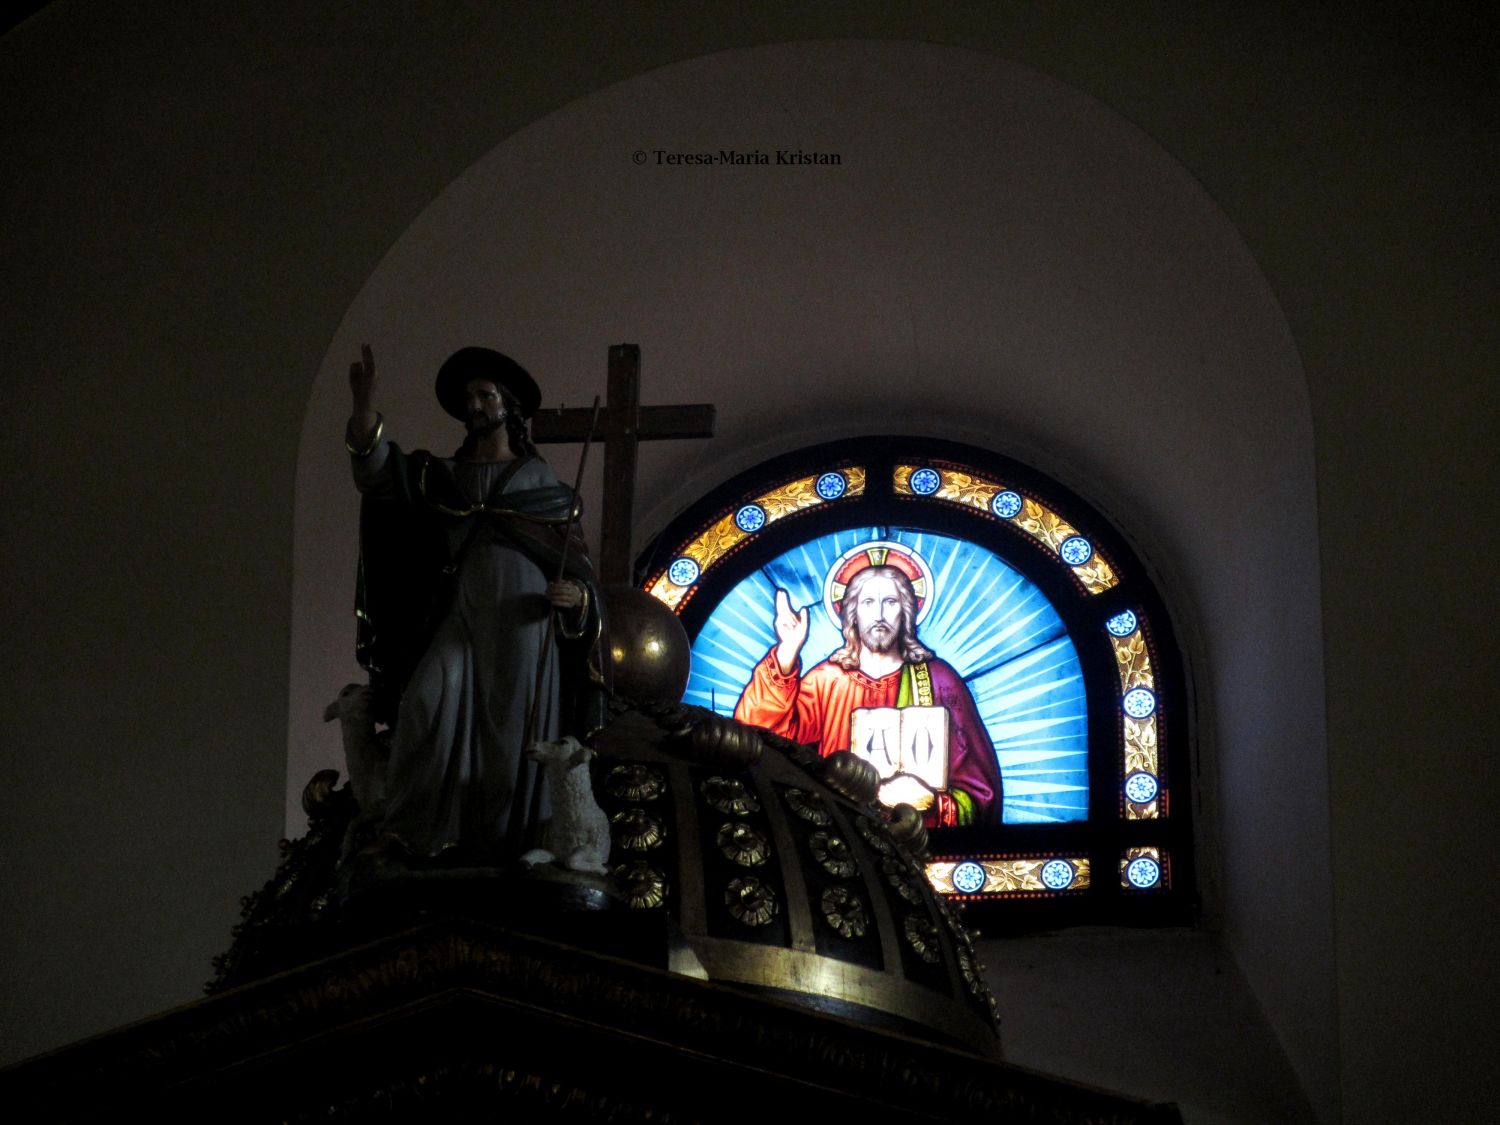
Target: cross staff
x,y
623,423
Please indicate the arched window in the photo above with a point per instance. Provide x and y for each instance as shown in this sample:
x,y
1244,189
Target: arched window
x,y
1026,692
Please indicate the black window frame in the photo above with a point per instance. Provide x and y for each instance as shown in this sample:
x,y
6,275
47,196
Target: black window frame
x,y
1107,832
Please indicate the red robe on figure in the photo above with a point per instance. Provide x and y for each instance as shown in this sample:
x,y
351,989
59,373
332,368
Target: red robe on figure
x,y
816,708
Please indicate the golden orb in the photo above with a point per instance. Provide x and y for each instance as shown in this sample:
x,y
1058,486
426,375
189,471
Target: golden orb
x,y
649,653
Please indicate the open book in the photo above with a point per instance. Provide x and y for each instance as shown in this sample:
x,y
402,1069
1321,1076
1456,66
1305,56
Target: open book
x,y
896,740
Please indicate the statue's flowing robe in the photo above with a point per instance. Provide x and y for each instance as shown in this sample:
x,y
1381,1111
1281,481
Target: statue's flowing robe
x,y
816,709
455,559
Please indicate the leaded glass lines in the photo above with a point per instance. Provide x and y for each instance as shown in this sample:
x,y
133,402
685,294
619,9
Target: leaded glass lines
x,y
1044,525
730,530
1033,602
1133,660
1014,876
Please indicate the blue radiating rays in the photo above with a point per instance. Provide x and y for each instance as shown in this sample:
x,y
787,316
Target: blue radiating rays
x,y
989,622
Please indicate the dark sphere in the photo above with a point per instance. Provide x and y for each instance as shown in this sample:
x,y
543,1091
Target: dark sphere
x,y
649,652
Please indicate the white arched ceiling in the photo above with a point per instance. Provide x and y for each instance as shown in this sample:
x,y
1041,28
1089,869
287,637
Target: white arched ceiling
x,y
996,258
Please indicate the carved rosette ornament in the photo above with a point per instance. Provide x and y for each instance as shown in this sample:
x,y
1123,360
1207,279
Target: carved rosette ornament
x,y
637,830
843,910
743,844
833,855
807,807
922,936
730,796
821,891
899,875
635,782
643,886
873,834
750,901
971,970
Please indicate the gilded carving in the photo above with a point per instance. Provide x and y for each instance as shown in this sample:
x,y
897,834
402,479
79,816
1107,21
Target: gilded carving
x,y
751,901
637,830
971,970
907,829
873,834
833,854
743,844
843,910
643,886
730,796
635,782
717,740
807,806
905,1075
898,874
922,936
847,773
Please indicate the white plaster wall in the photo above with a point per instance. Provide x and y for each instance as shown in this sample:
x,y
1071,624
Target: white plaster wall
x,y
1169,1018
998,259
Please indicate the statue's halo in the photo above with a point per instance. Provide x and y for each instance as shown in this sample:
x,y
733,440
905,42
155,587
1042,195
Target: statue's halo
x,y
877,552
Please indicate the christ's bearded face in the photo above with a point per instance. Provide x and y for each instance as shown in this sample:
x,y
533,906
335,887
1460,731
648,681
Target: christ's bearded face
x,y
484,407
877,614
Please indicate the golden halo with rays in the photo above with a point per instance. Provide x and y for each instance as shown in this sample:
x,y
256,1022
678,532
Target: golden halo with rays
x,y
877,552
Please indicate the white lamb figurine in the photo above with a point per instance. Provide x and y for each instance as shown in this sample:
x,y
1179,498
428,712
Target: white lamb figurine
x,y
577,836
364,755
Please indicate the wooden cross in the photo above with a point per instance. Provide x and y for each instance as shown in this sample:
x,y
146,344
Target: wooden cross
x,y
623,422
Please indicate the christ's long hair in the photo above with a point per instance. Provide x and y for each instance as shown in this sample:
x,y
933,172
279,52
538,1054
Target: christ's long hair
x,y
912,650
515,430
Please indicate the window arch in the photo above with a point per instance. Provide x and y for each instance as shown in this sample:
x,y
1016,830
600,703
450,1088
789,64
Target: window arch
x,y
1027,597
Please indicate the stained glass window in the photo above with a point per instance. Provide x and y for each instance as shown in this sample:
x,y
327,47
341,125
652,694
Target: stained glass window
x,y
983,618
980,635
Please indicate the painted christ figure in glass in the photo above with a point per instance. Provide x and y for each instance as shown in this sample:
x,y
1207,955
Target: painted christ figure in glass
x,y
883,695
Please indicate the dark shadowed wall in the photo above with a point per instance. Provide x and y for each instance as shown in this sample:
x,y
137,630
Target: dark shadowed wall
x,y
194,200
